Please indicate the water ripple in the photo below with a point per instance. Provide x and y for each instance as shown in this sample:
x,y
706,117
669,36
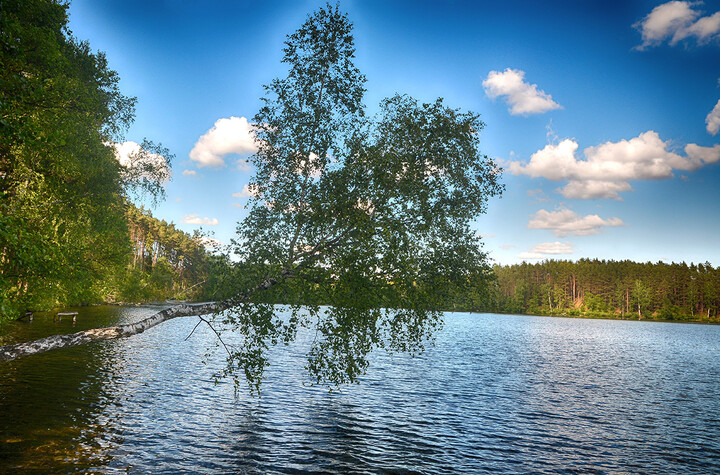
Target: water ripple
x,y
507,394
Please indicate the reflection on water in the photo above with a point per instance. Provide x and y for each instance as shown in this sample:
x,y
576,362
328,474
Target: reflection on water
x,y
496,393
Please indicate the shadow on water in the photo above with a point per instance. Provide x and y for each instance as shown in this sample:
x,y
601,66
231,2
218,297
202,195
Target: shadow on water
x,y
50,402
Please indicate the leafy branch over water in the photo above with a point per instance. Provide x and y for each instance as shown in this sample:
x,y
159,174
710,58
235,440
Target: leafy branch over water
x,y
372,214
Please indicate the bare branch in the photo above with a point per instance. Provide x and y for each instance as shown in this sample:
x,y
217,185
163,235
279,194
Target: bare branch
x,y
193,330
216,334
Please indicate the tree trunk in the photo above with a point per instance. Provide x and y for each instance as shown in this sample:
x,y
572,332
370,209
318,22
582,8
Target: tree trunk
x,y
18,350
627,300
54,342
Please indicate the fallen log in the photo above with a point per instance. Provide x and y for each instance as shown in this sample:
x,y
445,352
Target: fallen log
x,y
54,342
24,315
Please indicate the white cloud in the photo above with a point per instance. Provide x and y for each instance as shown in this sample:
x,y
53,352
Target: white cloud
x,y
609,167
248,191
228,136
522,97
541,251
554,162
699,156
594,189
139,162
189,173
705,29
713,120
196,219
564,222
676,21
211,244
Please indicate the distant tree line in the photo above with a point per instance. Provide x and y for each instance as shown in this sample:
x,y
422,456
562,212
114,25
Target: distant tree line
x,y
164,262
622,289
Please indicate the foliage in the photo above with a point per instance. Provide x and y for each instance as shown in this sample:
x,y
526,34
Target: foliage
x,y
370,216
606,288
166,263
62,189
641,296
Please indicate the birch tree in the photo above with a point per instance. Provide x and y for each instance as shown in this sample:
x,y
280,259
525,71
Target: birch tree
x,y
372,216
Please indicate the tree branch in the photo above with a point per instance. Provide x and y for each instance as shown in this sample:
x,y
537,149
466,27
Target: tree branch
x,y
54,342
18,350
216,334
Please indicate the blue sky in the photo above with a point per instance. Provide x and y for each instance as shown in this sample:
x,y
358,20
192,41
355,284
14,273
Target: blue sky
x,y
604,114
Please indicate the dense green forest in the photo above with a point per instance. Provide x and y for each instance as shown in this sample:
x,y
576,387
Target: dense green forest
x,y
617,289
155,262
166,263
69,233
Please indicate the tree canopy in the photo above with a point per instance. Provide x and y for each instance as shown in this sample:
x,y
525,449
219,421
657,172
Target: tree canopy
x,y
368,216
373,213
62,189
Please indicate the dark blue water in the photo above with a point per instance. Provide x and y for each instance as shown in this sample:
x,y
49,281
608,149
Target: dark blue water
x,y
495,394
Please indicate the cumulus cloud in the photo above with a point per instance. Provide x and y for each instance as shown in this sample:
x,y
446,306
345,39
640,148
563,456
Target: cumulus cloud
x,y
196,219
594,189
189,173
211,244
142,164
248,191
699,156
607,168
522,97
545,249
676,21
713,120
564,222
233,136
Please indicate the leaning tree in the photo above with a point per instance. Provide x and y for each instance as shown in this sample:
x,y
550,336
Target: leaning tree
x,y
369,216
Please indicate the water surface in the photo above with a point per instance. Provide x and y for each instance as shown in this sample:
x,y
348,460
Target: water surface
x,y
496,393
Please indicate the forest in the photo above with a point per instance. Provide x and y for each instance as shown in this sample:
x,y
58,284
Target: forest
x,y
601,288
154,262
70,233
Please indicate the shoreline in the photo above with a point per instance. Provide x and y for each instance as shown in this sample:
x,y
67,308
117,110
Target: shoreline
x,y
592,317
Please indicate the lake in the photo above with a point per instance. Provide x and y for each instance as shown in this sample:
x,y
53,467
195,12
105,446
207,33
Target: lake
x,y
496,393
